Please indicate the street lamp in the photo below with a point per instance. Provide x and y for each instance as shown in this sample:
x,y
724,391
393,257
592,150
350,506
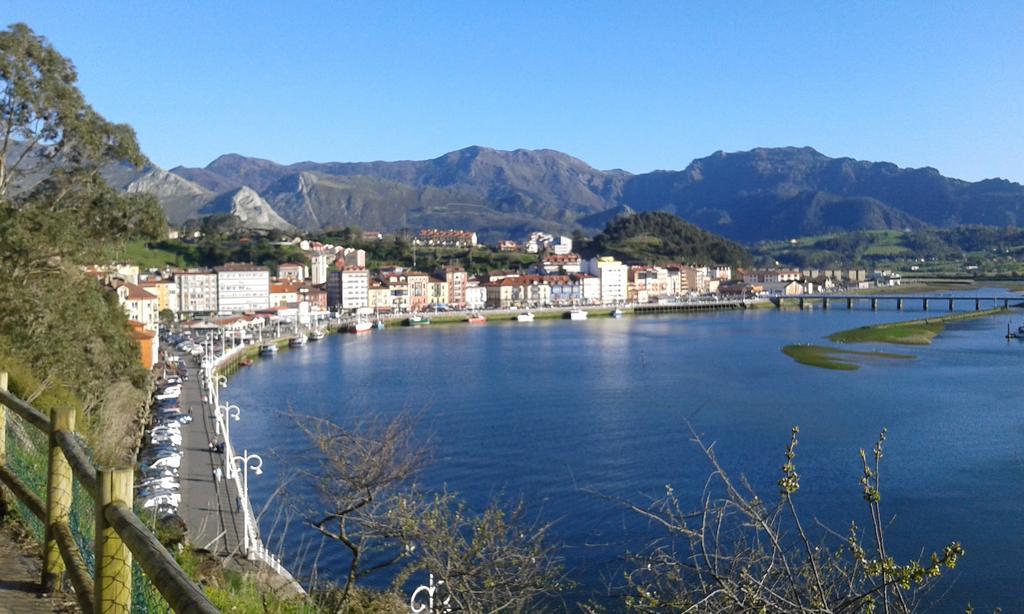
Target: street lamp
x,y
257,468
225,412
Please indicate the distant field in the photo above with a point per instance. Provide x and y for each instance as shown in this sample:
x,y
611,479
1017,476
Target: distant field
x,y
138,252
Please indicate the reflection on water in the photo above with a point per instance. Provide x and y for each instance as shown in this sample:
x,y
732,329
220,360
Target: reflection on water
x,y
546,408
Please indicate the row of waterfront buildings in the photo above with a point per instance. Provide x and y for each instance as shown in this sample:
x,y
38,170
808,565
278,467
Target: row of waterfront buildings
x,y
342,283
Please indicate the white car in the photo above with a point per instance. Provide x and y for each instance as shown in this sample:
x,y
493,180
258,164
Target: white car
x,y
173,461
163,396
162,500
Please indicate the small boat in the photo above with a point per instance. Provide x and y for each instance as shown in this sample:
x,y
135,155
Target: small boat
x,y
1014,335
245,362
268,350
317,335
417,320
617,313
362,326
577,314
524,317
379,324
476,318
297,342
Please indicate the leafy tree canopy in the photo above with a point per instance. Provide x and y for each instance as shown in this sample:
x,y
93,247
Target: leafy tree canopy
x,y
660,237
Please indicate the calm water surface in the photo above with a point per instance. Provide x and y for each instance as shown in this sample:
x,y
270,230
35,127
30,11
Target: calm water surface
x,y
552,408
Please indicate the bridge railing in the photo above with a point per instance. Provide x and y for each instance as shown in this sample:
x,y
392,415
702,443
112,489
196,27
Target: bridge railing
x,y
119,534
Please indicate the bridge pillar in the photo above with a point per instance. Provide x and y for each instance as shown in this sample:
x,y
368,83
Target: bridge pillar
x,y
801,303
977,304
924,304
849,303
951,304
874,304
824,302
899,304
1006,303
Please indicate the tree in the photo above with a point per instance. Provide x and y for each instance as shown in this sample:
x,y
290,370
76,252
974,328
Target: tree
x,y
44,117
69,217
735,552
360,471
495,561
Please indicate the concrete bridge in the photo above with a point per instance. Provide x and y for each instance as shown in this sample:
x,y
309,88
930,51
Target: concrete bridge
x,y
989,302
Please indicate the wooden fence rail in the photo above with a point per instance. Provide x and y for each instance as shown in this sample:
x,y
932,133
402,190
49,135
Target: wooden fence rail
x,y
120,534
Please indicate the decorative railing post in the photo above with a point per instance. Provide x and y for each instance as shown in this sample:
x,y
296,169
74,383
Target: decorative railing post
x,y
113,580
58,496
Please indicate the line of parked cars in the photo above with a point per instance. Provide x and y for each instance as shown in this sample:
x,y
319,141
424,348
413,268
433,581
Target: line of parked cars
x,y
160,484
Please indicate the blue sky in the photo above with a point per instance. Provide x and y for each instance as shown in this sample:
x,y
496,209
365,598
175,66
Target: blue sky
x,y
633,85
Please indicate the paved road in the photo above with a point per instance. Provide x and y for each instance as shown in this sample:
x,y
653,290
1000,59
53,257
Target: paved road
x,y
208,507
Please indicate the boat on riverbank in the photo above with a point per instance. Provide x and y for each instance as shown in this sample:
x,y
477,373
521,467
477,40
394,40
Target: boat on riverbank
x,y
268,350
476,318
359,327
317,335
297,342
416,320
524,317
577,314
617,313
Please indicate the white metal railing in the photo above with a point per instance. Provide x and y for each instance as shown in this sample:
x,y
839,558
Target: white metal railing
x,y
256,549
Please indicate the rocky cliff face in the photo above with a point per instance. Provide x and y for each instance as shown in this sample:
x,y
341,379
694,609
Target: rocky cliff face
x,y
249,207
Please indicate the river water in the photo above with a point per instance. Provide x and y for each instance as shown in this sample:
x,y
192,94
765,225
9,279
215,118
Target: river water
x,y
555,409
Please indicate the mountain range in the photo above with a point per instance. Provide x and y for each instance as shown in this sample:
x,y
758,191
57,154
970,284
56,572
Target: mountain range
x,y
764,193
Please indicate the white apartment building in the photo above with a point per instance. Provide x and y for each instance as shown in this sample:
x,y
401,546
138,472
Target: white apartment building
x,y
614,278
476,295
197,292
355,288
242,287
318,268
561,246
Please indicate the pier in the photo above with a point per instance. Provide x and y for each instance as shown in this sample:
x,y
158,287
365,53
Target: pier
x,y
900,301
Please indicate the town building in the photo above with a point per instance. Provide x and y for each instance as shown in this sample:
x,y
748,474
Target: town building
x,y
476,295
197,292
292,270
418,291
437,290
284,292
318,262
398,290
613,276
445,238
378,295
149,344
242,287
457,279
508,246
138,305
166,292
559,263
647,284
355,284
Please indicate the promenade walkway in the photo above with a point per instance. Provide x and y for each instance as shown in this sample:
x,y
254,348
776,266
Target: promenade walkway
x,y
208,507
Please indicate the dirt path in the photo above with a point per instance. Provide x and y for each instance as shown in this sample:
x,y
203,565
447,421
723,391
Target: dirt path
x,y
19,578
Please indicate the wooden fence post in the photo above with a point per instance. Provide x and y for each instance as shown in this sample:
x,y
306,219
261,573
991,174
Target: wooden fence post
x,y
58,496
3,421
113,559
3,443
